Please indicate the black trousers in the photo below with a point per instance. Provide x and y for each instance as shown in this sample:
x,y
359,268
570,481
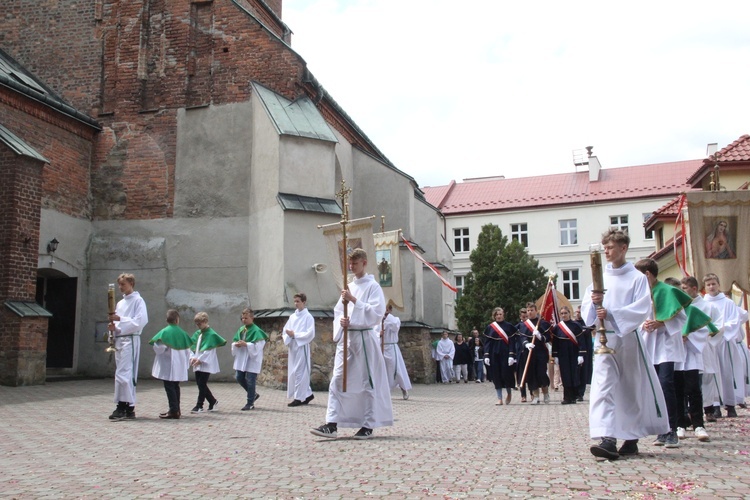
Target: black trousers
x,y
689,398
204,393
173,395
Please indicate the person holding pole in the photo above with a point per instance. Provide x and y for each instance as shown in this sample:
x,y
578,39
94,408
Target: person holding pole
x,y
626,399
126,323
532,333
359,397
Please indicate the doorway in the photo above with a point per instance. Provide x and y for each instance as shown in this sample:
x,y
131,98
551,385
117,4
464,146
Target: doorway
x,y
57,293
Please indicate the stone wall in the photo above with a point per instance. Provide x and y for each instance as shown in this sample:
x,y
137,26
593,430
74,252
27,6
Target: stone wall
x,y
413,341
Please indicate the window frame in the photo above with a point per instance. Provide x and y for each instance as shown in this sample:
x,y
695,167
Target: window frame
x,y
571,284
521,234
461,240
568,231
622,226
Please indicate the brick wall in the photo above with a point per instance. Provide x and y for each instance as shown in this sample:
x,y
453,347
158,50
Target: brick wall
x,y
65,142
58,41
131,65
23,349
20,214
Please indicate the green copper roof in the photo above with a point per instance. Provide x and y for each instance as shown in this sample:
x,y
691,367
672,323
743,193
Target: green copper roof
x,y
299,117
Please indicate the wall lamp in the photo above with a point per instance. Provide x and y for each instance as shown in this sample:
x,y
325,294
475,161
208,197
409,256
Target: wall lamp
x,y
51,249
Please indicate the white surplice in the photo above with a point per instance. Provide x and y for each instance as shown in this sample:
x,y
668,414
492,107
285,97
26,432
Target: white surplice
x,y
731,357
446,348
625,390
394,361
170,364
298,378
711,386
367,400
133,318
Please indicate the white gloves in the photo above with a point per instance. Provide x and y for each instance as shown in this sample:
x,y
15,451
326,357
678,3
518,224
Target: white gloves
x,y
487,361
538,335
580,360
511,361
530,346
557,361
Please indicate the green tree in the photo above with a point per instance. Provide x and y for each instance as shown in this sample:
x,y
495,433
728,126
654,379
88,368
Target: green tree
x,y
502,275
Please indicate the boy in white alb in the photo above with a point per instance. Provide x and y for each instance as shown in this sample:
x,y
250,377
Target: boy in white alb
x,y
367,400
394,361
298,332
126,324
247,349
626,399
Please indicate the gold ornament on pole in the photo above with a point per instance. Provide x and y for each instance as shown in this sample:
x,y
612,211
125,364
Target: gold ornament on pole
x,y
111,304
598,278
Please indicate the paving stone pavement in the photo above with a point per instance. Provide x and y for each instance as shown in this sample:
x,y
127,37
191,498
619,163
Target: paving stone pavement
x,y
449,441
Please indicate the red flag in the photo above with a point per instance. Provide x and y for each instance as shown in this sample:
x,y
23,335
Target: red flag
x,y
551,310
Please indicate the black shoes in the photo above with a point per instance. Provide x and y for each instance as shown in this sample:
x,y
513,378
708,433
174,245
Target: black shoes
x,y
308,399
607,448
170,415
326,431
731,412
213,406
296,402
628,448
363,433
123,412
119,413
247,407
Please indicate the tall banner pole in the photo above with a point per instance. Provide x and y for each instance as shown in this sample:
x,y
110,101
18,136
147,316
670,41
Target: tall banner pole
x,y
344,195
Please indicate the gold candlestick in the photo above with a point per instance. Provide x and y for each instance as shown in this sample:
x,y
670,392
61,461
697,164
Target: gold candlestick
x,y
598,277
111,306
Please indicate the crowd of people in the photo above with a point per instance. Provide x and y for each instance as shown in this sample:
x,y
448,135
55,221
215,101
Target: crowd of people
x,y
530,355
671,360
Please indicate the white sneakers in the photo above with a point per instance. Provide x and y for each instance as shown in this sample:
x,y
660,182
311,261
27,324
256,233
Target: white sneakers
x,y
681,432
701,434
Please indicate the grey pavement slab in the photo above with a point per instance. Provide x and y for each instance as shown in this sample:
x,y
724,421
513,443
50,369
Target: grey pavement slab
x,y
449,441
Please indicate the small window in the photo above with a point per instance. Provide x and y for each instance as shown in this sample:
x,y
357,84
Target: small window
x,y
619,222
647,233
568,232
459,286
461,239
571,284
520,233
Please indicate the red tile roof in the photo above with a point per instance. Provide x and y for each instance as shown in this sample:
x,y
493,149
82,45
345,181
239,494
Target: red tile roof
x,y
739,150
667,212
727,157
644,181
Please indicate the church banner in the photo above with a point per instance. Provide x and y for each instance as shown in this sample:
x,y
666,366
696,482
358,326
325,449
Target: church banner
x,y
358,235
719,236
389,267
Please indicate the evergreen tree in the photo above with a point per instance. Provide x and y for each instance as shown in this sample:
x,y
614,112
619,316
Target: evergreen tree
x,y
502,275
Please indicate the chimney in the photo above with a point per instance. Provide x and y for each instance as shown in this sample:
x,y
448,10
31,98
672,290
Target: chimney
x,y
594,165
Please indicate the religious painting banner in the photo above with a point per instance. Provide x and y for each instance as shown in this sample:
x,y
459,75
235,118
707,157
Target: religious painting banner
x,y
719,236
358,235
389,267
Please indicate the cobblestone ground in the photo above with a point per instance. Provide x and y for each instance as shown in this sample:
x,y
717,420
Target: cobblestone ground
x,y
449,441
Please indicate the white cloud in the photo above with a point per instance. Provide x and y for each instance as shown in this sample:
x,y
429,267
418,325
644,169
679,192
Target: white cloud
x,y
501,88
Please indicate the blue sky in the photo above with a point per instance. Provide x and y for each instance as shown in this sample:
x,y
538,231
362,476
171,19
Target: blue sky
x,y
451,90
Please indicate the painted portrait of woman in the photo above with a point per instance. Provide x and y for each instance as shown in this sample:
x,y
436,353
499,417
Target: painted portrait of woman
x,y
719,243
